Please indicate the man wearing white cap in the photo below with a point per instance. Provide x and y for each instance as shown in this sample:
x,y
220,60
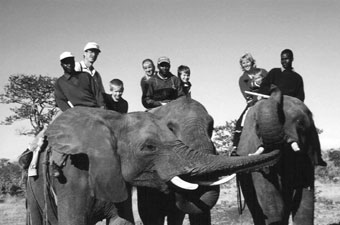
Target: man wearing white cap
x,y
71,89
163,87
91,52
75,88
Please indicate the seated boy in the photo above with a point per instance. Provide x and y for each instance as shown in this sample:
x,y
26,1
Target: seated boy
x,y
115,101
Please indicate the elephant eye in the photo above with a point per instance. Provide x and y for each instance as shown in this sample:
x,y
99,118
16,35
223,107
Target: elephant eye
x,y
149,147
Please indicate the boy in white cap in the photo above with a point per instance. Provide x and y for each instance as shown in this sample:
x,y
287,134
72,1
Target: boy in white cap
x,y
91,52
163,87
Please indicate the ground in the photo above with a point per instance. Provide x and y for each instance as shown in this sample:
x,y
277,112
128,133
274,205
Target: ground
x,y
12,209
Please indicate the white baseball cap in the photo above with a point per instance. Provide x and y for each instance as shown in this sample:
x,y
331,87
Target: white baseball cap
x,y
65,55
91,45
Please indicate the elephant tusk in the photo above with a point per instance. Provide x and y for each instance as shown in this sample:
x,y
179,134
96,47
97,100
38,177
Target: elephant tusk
x,y
259,151
295,146
219,182
183,184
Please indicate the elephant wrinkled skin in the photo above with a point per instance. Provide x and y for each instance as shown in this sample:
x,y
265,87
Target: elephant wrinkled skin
x,y
192,124
105,150
287,188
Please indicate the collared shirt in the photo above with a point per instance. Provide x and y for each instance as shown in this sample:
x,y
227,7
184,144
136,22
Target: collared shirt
x,y
81,67
78,89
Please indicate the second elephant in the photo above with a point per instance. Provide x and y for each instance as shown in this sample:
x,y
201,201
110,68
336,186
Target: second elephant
x,y
287,188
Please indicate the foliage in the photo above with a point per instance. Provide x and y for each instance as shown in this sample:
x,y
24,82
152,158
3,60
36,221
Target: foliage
x,y
10,177
222,137
33,97
332,171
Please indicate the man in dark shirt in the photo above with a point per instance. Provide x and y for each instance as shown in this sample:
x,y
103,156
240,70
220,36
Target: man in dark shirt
x,y
115,101
71,89
75,88
285,78
163,87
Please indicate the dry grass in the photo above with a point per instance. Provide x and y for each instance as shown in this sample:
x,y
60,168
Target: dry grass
x,y
12,209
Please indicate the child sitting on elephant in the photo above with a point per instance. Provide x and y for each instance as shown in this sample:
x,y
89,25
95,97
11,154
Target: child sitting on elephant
x,y
183,74
115,101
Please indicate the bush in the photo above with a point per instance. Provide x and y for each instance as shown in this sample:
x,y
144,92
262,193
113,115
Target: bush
x,y
10,178
330,173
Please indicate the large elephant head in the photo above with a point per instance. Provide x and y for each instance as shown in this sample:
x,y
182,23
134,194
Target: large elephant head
x,y
135,148
263,126
191,123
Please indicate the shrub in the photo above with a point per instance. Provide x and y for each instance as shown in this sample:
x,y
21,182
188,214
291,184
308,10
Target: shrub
x,y
330,173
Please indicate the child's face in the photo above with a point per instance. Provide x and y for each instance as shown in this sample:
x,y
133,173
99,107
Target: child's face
x,y
148,68
185,77
117,92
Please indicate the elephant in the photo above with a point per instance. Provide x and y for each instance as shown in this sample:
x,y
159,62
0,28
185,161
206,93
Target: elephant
x,y
191,123
106,150
287,188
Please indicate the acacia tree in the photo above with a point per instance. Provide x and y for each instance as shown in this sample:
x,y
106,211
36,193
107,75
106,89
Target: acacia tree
x,y
33,99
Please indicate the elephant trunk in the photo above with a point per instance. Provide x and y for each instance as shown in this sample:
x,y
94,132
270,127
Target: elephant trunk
x,y
270,118
198,164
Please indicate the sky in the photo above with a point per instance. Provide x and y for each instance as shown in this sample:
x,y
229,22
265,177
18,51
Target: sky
x,y
209,36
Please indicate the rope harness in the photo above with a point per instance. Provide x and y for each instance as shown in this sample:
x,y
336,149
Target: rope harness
x,y
241,206
48,192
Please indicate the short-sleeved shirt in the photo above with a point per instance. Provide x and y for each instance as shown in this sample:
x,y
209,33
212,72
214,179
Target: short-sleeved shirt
x,y
121,106
288,81
162,90
79,89
81,67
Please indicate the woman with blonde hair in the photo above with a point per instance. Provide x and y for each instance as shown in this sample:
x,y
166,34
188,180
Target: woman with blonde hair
x,y
250,80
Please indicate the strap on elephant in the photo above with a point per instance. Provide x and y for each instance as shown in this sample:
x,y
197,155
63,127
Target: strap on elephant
x,y
241,206
49,193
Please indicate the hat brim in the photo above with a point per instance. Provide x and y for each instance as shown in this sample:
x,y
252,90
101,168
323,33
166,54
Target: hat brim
x,y
94,49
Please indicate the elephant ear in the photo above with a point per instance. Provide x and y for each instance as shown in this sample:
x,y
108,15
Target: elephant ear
x,y
314,147
84,130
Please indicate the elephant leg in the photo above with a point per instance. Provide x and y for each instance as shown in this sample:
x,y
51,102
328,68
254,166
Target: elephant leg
x,y
303,207
151,206
200,219
33,210
175,216
269,196
33,216
125,208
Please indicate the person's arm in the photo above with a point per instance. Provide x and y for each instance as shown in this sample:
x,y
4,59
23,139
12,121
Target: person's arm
x,y
300,91
144,87
266,83
60,98
126,106
179,87
100,84
243,87
97,94
149,101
